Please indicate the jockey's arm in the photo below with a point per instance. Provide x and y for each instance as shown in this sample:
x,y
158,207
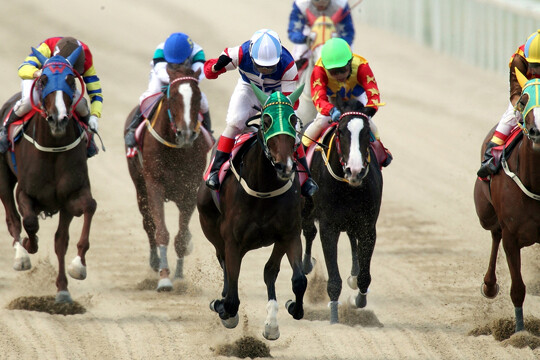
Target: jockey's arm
x,y
367,80
297,21
31,64
319,81
93,89
228,60
517,62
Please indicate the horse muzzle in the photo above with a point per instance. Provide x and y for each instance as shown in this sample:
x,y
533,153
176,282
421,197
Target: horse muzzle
x,y
534,136
186,138
284,171
355,178
57,125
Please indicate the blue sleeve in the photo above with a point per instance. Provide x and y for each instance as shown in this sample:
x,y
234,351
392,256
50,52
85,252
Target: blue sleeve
x,y
296,25
348,28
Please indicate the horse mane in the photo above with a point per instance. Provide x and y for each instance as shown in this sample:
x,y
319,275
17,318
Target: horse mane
x,y
181,70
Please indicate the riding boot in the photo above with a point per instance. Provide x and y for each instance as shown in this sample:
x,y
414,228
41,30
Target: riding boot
x,y
4,136
488,166
309,187
213,177
207,122
129,139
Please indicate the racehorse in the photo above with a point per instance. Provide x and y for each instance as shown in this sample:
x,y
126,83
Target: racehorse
x,y
323,28
349,199
171,162
259,206
49,165
509,205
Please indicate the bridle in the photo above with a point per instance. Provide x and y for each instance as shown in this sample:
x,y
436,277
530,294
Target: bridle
x,y
171,118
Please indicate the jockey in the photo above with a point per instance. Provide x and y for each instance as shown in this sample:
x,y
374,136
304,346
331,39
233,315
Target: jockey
x,y
30,69
339,71
303,15
178,49
527,60
263,61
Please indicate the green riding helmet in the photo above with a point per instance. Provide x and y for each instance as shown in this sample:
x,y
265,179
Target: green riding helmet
x,y
335,53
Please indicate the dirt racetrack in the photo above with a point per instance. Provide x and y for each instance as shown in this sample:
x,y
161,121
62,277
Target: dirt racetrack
x,y
430,256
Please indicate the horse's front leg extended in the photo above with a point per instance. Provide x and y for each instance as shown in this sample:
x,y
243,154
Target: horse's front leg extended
x,y
299,280
227,307
366,246
148,223
310,231
490,288
329,241
84,205
157,212
61,241
517,289
30,221
355,268
271,271
182,241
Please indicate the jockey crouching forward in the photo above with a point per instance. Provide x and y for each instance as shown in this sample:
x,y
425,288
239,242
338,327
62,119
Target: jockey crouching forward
x,y
339,71
263,61
303,15
177,50
527,60
30,69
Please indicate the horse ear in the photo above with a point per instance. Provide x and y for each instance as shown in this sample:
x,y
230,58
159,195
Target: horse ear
x,y
296,94
41,58
259,93
72,58
522,79
197,73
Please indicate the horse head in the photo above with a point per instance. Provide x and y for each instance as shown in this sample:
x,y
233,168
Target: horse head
x,y
322,30
57,87
278,129
352,141
529,107
184,103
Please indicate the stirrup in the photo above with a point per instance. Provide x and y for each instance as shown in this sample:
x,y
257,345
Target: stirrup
x,y
129,138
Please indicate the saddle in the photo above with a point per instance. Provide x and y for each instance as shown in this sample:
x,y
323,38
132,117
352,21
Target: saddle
x,y
505,149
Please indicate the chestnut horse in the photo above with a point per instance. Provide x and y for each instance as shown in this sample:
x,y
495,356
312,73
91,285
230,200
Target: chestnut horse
x,y
349,200
49,165
259,206
323,28
509,204
172,159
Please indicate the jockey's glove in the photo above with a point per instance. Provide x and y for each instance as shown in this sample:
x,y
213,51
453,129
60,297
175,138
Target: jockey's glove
x,y
335,114
93,123
222,61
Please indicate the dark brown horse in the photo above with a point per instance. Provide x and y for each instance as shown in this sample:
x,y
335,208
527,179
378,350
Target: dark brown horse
x,y
49,165
172,159
259,206
349,200
509,205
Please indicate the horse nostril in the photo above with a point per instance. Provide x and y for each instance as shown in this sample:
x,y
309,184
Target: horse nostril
x,y
348,172
280,167
534,131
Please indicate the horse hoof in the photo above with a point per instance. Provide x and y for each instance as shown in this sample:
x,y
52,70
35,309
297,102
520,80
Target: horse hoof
x,y
31,247
231,322
164,284
76,269
271,332
334,315
63,297
352,282
308,264
361,300
22,260
297,312
486,295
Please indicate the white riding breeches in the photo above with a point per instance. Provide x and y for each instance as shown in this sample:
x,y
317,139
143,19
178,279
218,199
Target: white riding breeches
x,y
508,120
240,109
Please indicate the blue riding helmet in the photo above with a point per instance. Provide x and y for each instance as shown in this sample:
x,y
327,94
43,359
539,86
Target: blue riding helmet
x,y
177,48
265,47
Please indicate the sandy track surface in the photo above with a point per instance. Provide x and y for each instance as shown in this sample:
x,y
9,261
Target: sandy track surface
x,y
431,253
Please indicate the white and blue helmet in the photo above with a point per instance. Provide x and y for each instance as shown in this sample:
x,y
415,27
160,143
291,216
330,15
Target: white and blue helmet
x,y
265,47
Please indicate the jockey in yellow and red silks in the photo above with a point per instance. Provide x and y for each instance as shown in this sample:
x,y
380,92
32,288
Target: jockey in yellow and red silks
x,y
339,71
30,69
526,60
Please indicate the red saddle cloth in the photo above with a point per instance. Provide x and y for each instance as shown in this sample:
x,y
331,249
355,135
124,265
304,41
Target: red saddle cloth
x,y
239,141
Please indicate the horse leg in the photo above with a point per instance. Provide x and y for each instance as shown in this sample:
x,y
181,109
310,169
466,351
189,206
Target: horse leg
x,y
366,245
517,289
490,288
13,221
86,206
355,267
329,240
310,231
157,213
299,280
30,222
148,223
182,241
61,241
227,307
271,271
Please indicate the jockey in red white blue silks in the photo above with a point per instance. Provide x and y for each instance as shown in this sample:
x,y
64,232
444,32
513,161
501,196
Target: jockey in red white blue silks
x,y
31,69
263,61
305,12
178,49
